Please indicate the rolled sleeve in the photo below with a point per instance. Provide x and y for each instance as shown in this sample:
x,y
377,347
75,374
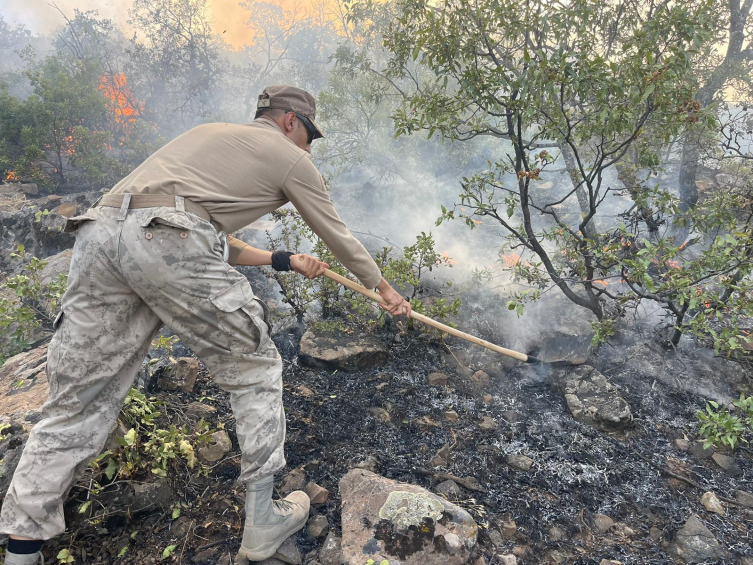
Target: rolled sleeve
x,y
304,187
236,247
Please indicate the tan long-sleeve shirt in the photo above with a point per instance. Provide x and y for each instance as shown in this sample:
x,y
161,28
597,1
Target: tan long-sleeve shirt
x,y
240,172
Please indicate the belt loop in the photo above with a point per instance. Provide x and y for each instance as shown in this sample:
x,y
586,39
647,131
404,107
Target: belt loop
x,y
180,204
124,207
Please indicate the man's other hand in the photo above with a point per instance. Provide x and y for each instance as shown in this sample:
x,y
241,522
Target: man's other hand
x,y
396,304
310,267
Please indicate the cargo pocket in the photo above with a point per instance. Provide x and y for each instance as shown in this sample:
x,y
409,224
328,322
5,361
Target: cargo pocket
x,y
54,351
171,218
239,317
72,224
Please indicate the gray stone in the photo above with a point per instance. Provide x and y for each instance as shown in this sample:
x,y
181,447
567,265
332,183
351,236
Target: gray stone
x,y
481,378
23,383
437,379
450,490
696,544
317,494
682,444
744,498
519,462
219,445
385,519
591,398
318,526
180,527
712,503
270,561
442,457
13,436
728,464
380,414
488,423
288,552
507,559
480,560
180,375
602,523
295,480
331,552
370,464
151,495
556,533
30,189
509,528
495,537
655,534
197,411
335,350
699,451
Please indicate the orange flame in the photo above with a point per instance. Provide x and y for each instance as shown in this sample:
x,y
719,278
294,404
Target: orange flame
x,y
116,88
511,260
602,282
672,264
11,176
446,259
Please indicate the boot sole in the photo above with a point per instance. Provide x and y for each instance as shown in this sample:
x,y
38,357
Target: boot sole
x,y
268,550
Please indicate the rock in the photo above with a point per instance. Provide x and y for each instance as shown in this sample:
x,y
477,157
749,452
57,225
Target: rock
x,y
480,560
508,528
288,552
712,503
30,189
370,464
151,495
696,544
318,526
206,556
624,530
295,480
730,181
23,383
682,444
728,464
331,552
385,519
13,436
218,446
67,209
380,414
481,378
512,416
556,533
487,399
520,550
744,498
270,561
197,411
655,534
697,450
609,562
519,462
305,391
180,376
437,379
451,416
335,350
442,457
495,537
317,494
602,523
488,423
180,527
507,559
450,490
591,398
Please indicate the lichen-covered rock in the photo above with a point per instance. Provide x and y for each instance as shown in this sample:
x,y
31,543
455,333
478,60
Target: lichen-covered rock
x,y
13,436
335,350
592,399
180,375
695,543
401,523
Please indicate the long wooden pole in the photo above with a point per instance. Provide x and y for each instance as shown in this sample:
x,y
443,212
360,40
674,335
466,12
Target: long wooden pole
x,y
431,322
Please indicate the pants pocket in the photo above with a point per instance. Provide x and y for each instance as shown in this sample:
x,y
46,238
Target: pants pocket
x,y
240,317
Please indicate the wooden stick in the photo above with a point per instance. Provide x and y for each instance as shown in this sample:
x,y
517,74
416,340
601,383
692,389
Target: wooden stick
x,y
431,322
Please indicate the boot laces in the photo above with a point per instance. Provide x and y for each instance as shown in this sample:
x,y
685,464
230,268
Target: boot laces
x,y
284,505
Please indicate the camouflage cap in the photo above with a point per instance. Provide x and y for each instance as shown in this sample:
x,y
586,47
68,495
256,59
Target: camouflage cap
x,y
284,97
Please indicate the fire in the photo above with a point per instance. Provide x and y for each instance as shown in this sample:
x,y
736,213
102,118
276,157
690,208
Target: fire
x,y
672,264
511,260
11,176
602,282
124,108
446,259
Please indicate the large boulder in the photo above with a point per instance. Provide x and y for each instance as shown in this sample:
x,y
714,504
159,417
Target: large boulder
x,y
591,398
23,384
13,436
695,543
401,523
336,350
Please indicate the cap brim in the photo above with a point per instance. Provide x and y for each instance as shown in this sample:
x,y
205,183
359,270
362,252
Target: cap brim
x,y
317,128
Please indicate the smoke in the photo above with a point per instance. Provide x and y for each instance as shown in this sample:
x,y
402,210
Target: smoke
x,y
41,17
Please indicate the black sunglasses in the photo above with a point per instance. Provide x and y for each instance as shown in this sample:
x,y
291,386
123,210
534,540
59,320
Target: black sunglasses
x,y
310,129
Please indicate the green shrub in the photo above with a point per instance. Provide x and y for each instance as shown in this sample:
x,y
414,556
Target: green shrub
x,y
25,303
720,426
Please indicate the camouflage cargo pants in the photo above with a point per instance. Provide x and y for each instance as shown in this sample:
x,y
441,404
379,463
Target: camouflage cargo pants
x,y
131,271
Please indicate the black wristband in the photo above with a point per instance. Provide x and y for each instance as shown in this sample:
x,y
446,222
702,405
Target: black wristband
x,y
281,260
23,546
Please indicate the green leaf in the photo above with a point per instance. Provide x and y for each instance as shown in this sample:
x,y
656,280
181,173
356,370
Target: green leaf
x,y
122,551
168,551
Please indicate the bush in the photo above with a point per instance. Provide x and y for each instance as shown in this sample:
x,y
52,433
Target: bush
x,y
720,426
25,302
341,308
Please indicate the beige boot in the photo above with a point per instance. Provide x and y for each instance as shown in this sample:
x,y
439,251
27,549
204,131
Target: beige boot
x,y
270,522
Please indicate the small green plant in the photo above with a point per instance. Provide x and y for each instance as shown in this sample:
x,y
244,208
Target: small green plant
x,y
4,427
26,303
165,343
168,552
719,426
64,556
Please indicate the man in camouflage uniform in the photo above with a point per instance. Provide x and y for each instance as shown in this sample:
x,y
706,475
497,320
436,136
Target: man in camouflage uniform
x,y
154,251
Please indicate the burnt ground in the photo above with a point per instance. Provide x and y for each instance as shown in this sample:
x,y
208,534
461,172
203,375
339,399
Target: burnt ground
x,y
577,470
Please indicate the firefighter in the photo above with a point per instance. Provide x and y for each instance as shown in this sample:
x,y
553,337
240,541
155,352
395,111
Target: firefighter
x,y
155,250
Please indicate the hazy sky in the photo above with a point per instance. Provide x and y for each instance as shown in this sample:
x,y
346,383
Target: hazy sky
x,y
41,17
